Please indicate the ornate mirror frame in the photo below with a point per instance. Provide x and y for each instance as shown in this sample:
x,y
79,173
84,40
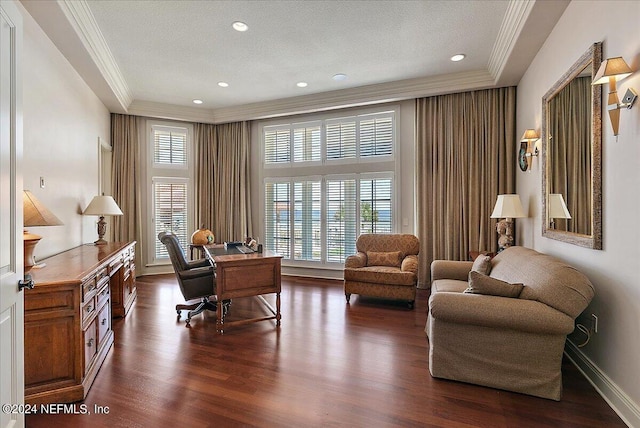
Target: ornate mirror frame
x,y
593,57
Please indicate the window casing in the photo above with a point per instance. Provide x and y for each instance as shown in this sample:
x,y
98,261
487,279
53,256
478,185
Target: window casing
x,y
327,181
170,186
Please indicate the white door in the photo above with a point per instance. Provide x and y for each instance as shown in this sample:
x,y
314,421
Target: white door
x,y
11,250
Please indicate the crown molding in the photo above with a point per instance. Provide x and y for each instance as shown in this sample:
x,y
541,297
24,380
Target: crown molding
x,y
514,20
353,97
84,24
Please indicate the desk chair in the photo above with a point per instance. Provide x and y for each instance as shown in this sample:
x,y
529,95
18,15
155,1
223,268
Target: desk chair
x,y
197,279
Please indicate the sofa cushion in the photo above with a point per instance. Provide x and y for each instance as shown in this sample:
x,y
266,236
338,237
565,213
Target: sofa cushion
x,y
482,264
381,275
388,258
547,279
483,284
448,286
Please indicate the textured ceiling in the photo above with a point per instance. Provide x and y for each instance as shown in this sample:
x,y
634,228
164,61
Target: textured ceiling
x,y
154,57
175,51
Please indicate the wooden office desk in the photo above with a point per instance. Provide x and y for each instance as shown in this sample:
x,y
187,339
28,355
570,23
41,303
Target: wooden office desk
x,y
245,275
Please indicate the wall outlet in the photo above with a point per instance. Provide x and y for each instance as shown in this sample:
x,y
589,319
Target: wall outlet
x,y
42,182
594,325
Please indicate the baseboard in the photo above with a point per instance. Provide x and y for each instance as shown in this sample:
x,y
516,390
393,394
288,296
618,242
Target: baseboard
x,y
628,411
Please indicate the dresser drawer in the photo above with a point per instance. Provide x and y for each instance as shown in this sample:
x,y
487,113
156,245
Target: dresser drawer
x,y
89,310
90,344
89,287
104,322
104,294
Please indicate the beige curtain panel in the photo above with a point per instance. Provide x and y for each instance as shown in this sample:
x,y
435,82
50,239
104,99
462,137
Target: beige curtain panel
x,y
466,156
223,179
570,148
126,134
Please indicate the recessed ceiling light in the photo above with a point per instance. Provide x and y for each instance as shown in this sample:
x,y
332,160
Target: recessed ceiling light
x,y
301,84
223,84
197,101
339,77
458,57
240,26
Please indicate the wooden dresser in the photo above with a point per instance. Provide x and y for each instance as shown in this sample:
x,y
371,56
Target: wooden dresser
x,y
67,318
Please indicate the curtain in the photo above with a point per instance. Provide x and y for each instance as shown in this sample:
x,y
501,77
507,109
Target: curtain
x,y
570,153
223,179
465,156
127,133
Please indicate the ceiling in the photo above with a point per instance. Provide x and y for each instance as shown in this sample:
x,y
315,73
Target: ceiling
x,y
155,57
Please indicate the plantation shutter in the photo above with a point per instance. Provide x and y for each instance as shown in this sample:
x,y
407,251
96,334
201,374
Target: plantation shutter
x,y
277,216
376,213
341,139
306,142
307,222
170,146
376,136
277,145
341,219
170,212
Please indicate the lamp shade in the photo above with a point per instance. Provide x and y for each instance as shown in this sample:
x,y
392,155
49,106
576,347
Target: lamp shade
x,y
102,205
611,67
508,206
36,214
530,135
557,207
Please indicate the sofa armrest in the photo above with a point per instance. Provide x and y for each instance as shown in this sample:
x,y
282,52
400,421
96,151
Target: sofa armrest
x,y
410,264
357,260
499,312
450,269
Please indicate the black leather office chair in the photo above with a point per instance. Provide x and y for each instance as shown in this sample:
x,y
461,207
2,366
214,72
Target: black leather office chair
x,y
196,278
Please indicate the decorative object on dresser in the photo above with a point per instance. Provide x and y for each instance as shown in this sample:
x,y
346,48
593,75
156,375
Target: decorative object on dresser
x,y
67,319
34,214
385,266
202,236
507,207
102,206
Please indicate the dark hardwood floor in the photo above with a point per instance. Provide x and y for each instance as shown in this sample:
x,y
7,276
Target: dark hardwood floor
x,y
329,364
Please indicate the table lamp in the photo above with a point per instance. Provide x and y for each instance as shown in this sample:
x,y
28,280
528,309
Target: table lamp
x,y
507,207
102,206
557,208
34,214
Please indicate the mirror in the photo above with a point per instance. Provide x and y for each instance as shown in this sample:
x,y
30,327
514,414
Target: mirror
x,y
571,155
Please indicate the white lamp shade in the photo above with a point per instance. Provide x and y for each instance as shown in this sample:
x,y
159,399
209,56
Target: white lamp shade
x,y
557,207
508,206
102,205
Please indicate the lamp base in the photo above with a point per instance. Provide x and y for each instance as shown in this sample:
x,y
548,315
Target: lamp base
x,y
505,233
30,241
102,230
100,242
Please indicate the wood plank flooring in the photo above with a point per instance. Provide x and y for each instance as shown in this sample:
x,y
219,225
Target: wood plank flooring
x,y
329,364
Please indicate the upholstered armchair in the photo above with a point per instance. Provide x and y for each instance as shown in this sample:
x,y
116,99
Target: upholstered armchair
x,y
385,266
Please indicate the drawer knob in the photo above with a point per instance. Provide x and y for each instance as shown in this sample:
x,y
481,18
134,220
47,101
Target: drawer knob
x,y
90,343
104,321
89,308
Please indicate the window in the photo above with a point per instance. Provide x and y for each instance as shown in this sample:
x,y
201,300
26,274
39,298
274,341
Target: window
x,y
333,180
170,186
170,211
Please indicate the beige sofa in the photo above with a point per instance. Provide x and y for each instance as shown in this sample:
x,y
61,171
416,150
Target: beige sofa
x,y
386,266
515,344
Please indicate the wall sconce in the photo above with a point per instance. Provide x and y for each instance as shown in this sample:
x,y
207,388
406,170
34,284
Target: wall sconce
x,y
102,206
557,208
611,70
526,151
507,207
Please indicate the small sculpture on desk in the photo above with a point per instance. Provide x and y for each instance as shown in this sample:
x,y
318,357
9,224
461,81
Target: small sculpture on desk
x,y
202,236
251,243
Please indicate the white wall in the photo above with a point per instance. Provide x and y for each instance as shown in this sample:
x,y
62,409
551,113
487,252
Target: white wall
x,y
610,359
63,120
